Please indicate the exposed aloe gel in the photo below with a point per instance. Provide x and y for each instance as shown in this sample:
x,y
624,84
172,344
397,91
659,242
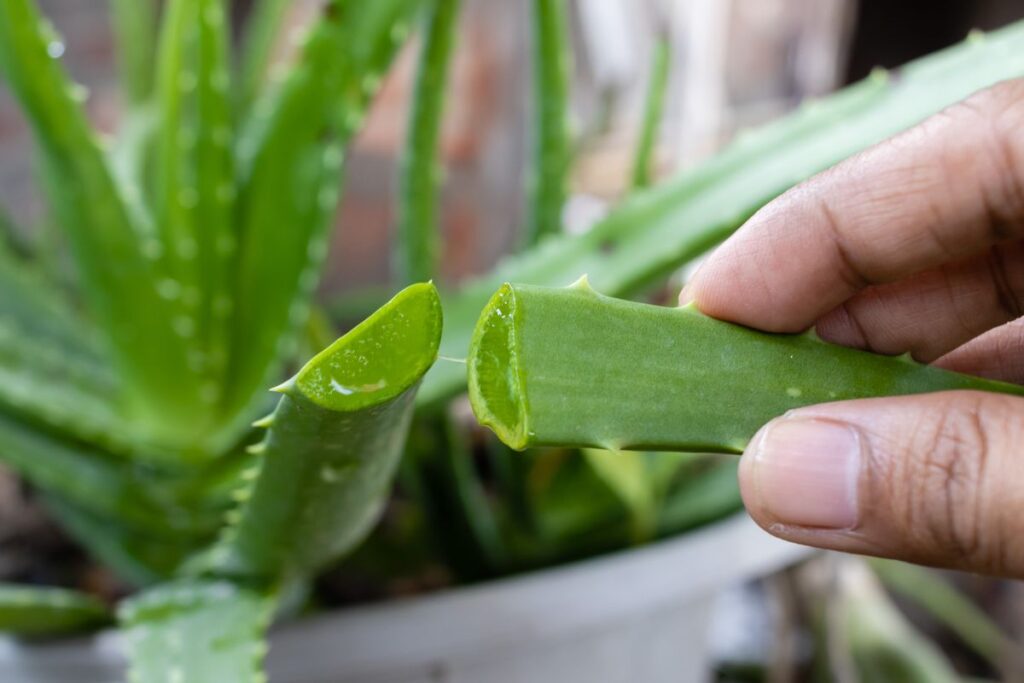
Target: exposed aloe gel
x,y
333,444
570,367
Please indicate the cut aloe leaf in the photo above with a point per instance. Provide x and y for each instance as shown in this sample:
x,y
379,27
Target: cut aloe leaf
x,y
36,612
197,631
333,444
570,367
658,230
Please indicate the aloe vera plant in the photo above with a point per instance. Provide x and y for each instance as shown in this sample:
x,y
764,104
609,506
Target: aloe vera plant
x,y
197,235
197,238
570,367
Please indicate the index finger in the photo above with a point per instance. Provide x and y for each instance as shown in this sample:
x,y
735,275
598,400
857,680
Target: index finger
x,y
947,189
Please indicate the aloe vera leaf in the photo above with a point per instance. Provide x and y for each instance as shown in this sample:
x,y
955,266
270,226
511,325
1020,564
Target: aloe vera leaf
x,y
418,231
94,481
552,147
459,520
135,24
659,229
197,631
333,444
195,181
291,153
262,32
138,558
119,281
570,367
654,107
626,475
34,611
883,645
48,386
702,498
949,607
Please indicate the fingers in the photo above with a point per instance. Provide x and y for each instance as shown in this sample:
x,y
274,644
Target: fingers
x,y
997,354
935,479
931,313
943,191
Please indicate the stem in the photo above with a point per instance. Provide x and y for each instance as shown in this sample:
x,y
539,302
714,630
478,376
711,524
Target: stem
x,y
569,367
653,111
418,232
551,151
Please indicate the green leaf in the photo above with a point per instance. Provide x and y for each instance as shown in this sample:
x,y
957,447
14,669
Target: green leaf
x,y
703,497
32,611
262,33
882,644
135,31
570,367
290,171
196,182
137,557
97,482
551,140
333,445
418,232
438,473
659,229
197,631
119,281
949,607
626,474
654,107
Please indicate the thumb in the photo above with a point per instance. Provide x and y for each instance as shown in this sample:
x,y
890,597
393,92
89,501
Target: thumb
x,y
934,479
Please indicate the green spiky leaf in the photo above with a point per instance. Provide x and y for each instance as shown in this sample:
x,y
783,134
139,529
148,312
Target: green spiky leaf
x,y
418,232
547,183
33,611
197,631
113,251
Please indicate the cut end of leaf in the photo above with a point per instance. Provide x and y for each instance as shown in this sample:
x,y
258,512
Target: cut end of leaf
x,y
496,388
380,358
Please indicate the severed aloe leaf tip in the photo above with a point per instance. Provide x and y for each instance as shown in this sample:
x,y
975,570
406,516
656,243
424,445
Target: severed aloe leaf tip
x,y
380,358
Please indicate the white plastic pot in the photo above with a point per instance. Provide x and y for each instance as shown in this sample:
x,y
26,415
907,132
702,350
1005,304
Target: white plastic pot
x,y
639,615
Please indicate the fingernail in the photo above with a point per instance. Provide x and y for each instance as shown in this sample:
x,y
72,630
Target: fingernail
x,y
805,471
684,295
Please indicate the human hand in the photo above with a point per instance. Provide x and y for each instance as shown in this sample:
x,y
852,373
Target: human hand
x,y
914,245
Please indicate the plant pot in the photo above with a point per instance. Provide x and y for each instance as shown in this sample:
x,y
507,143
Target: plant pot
x,y
638,615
